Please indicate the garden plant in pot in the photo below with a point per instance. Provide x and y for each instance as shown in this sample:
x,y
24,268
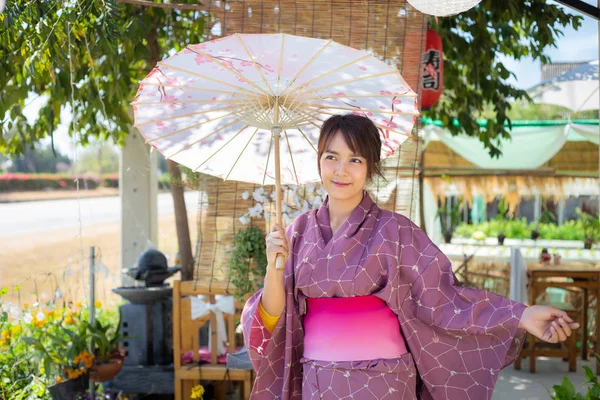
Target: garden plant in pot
x,y
451,211
61,348
109,357
501,221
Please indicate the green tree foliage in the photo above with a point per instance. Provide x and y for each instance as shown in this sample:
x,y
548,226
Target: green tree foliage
x,y
94,52
89,53
475,79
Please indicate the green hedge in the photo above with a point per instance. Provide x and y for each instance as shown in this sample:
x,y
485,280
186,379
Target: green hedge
x,y
520,229
22,182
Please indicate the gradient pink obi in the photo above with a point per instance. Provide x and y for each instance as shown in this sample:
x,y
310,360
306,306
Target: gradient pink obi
x,y
351,329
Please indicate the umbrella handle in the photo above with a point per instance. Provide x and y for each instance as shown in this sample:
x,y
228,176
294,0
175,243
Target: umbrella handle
x,y
279,262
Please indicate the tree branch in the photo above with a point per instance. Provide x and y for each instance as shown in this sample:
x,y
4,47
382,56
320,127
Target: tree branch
x,y
147,3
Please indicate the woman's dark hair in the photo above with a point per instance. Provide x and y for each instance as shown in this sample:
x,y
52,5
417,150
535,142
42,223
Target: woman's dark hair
x,y
360,134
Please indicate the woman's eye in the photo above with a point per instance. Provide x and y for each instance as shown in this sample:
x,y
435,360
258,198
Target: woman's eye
x,y
329,157
356,160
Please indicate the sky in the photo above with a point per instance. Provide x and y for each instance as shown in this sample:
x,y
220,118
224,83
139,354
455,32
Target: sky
x,y
580,45
573,46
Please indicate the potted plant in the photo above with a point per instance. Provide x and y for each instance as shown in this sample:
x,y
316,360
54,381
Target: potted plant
x,y
109,357
62,350
453,213
500,219
591,228
247,262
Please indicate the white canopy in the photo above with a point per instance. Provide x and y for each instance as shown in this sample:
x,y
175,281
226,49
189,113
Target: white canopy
x,y
576,89
530,147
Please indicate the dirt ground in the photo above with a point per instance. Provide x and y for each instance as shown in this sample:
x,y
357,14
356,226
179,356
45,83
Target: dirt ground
x,y
42,262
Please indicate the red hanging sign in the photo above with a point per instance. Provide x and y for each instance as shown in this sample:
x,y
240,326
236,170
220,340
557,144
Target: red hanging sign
x,y
432,83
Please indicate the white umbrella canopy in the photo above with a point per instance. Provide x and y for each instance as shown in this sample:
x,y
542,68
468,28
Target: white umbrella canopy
x,y
215,106
576,89
222,107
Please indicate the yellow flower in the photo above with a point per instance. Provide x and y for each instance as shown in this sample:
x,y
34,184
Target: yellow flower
x,y
59,379
73,373
49,313
98,304
69,320
39,324
197,392
78,304
3,342
25,305
15,330
5,334
86,358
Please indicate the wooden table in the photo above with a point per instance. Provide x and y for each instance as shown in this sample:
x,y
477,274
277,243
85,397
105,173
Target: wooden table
x,y
586,276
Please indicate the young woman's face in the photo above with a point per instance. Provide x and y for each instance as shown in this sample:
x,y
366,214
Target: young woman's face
x,y
343,173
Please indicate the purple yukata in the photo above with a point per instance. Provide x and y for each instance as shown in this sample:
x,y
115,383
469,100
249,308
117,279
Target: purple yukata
x,y
456,339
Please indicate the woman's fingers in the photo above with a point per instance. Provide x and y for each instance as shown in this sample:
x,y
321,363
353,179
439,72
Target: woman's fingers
x,y
561,334
278,242
565,326
553,335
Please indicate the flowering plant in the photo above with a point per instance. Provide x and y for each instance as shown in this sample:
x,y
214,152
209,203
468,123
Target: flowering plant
x,y
60,342
296,200
197,392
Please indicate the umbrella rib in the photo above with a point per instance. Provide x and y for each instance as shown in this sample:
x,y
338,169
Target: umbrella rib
x,y
307,139
359,78
182,116
187,128
221,148
190,102
408,93
201,139
377,125
297,90
314,57
235,72
255,113
291,156
324,106
268,158
288,115
188,87
240,89
238,158
254,63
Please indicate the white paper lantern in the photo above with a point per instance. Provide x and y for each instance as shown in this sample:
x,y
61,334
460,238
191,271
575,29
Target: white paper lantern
x,y
443,8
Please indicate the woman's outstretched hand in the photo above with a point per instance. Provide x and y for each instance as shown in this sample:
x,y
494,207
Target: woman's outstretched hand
x,y
547,323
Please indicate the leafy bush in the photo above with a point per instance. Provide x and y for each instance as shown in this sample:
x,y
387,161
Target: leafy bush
x,y
566,390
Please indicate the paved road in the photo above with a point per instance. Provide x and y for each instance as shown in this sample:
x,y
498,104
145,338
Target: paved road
x,y
41,216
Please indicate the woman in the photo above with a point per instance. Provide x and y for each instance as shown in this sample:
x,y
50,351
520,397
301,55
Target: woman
x,y
367,306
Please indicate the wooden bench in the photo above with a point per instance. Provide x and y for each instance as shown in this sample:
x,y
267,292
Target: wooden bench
x,y
186,338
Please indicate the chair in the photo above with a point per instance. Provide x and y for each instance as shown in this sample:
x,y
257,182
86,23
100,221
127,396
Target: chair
x,y
186,339
537,348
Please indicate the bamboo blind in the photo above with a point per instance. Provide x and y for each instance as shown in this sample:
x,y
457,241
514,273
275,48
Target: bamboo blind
x,y
390,29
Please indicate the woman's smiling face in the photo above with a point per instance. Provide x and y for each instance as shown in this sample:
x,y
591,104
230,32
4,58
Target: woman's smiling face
x,y
343,173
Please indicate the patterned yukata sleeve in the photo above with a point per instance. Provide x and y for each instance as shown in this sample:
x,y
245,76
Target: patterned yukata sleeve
x,y
256,335
459,337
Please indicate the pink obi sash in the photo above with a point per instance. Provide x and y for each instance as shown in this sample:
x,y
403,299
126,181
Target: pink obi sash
x,y
351,329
